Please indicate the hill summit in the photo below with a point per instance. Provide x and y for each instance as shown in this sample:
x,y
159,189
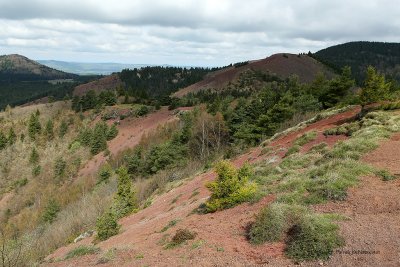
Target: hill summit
x,y
19,68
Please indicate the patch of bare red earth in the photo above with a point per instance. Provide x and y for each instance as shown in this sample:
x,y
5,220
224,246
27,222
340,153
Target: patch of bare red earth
x,y
372,231
221,236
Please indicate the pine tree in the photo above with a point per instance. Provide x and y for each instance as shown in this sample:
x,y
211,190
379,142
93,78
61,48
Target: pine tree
x,y
375,87
63,129
49,131
59,167
125,199
98,140
51,210
34,157
85,136
34,126
12,137
3,140
112,132
107,226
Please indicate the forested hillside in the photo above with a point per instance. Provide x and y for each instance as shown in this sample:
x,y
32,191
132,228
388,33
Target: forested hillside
x,y
23,80
385,57
159,82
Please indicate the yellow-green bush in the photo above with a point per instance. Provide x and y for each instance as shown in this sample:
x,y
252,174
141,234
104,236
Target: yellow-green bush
x,y
231,187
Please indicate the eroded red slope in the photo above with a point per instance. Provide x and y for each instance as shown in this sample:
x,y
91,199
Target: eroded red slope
x,y
220,237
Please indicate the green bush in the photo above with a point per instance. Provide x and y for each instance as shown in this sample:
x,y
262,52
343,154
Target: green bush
x,y
81,251
112,132
230,188
273,222
305,138
63,129
143,110
386,175
50,211
319,148
307,235
292,150
180,237
314,237
104,174
34,157
107,226
59,167
36,170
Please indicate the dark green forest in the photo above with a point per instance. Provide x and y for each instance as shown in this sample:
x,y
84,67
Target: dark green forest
x,y
159,82
20,92
385,57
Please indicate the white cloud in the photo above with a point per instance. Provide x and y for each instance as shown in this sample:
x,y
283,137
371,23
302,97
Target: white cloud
x,y
188,32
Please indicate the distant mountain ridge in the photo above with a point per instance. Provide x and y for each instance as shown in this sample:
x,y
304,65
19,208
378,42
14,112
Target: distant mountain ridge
x,y
359,55
83,68
20,68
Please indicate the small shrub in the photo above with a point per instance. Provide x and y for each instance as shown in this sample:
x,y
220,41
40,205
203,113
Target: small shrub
x,y
230,188
59,167
108,256
292,150
319,148
112,132
330,131
107,226
51,210
314,237
104,174
36,170
75,146
169,225
81,251
20,183
274,221
305,138
181,236
385,175
34,157
143,110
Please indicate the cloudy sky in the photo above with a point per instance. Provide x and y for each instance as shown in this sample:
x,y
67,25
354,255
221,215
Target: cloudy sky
x,y
188,32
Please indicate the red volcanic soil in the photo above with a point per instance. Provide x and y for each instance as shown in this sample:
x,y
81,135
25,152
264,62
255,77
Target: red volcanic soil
x,y
110,82
282,65
372,231
221,236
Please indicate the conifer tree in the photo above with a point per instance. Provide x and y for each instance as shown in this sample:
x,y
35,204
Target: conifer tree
x,y
107,226
12,137
34,157
98,140
34,126
125,199
49,131
112,132
3,140
375,87
63,129
51,210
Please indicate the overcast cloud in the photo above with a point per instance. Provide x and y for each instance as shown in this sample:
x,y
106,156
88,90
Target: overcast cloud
x,y
203,33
